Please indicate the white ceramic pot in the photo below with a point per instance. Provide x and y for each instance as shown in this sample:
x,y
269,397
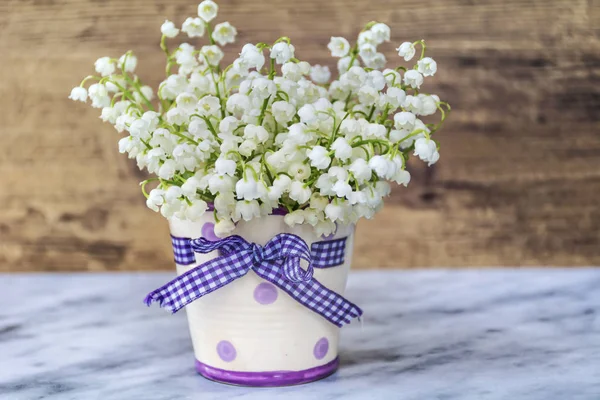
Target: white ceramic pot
x,y
249,332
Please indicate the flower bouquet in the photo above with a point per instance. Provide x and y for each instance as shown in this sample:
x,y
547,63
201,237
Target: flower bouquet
x,y
262,168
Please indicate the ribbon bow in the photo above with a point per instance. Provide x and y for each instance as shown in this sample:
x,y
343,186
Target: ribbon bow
x,y
278,262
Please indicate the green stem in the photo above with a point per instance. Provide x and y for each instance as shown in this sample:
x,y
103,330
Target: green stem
x,y
335,132
262,111
181,135
139,90
209,32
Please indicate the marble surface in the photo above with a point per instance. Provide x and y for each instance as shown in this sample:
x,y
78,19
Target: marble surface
x,y
470,334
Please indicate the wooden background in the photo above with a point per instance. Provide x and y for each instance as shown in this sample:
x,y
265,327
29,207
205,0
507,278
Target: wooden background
x,y
518,182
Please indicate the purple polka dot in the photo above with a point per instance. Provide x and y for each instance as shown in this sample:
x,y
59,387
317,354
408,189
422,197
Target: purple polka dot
x,y
226,351
208,231
265,293
321,348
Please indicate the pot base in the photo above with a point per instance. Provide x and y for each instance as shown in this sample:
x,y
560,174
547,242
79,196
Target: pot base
x,y
266,379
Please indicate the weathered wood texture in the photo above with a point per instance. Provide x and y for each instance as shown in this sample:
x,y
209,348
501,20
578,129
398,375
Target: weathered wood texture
x,y
518,182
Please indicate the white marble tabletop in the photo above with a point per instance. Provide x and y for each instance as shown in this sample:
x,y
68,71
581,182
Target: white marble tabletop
x,y
465,334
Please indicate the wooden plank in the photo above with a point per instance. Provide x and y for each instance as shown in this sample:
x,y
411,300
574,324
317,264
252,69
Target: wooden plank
x,y
517,184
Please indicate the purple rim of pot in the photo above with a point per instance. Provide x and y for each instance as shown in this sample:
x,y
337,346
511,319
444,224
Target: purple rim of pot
x,y
276,211
264,379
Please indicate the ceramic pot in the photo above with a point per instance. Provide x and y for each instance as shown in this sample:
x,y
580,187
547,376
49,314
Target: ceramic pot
x,y
251,333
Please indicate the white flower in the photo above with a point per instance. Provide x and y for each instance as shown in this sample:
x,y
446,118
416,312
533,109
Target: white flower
x,y
292,71
367,51
199,82
224,33
338,173
224,166
79,94
256,133
281,184
238,104
368,95
402,177
358,197
224,227
404,120
251,57
338,46
325,228
194,27
427,66
282,52
307,114
395,96
381,166
381,33
225,203
190,187
355,77
366,37
413,78
246,210
318,157
146,91
247,147
128,61
167,170
105,66
186,101
299,171
320,74
168,29
212,54
196,210
184,56
170,209
294,218
247,187
209,105
412,104
155,199
263,88
173,193
426,149
392,77
335,210
428,104
376,62
342,189
406,50
343,64
172,86
283,112
220,184
139,128
360,170
177,116
207,10
376,130
376,79
299,192
343,150
110,114
99,95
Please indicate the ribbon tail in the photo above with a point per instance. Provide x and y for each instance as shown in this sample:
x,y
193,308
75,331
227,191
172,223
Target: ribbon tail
x,y
314,296
198,282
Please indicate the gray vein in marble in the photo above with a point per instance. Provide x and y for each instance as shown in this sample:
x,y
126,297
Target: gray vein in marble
x,y
471,335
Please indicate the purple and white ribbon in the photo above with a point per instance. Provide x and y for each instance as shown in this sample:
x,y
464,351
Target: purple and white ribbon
x,y
277,262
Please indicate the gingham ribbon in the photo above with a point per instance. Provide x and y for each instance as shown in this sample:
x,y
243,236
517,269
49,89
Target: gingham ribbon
x,y
277,262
